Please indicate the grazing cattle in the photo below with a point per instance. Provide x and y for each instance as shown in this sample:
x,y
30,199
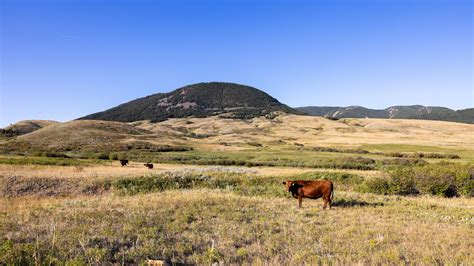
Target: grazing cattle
x,y
123,162
311,189
149,165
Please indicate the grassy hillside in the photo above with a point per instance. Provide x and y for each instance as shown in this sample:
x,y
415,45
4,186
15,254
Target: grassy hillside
x,y
293,138
25,127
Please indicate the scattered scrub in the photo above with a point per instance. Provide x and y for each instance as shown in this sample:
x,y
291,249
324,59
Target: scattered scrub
x,y
51,154
401,162
430,155
441,179
245,184
330,149
409,155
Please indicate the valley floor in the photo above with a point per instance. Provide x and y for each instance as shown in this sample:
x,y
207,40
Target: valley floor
x,y
216,194
89,218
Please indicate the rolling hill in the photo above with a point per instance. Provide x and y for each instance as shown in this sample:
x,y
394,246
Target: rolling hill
x,y
78,135
280,132
394,112
25,127
197,100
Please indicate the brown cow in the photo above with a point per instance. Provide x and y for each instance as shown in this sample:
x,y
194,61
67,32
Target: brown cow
x,y
311,189
149,165
123,162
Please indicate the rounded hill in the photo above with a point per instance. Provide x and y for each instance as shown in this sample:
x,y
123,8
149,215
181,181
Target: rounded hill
x,y
78,135
197,100
25,127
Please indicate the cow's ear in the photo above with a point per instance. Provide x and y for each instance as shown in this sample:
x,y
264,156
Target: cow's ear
x,y
284,183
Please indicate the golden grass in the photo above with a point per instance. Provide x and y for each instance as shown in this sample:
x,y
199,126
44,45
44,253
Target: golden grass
x,y
218,134
202,226
286,130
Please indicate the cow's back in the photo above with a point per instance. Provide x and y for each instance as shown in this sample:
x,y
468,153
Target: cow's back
x,y
316,189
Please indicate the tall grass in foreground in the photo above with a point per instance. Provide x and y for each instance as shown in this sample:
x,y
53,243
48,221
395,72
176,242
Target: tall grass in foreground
x,y
205,226
228,215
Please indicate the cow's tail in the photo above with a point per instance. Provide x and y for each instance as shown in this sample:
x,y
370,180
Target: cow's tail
x,y
332,192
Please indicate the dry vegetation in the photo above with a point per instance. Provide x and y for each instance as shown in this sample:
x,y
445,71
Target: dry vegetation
x,y
204,226
25,127
283,131
55,210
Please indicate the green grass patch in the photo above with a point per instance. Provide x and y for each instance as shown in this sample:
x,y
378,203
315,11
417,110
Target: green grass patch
x,y
59,161
282,158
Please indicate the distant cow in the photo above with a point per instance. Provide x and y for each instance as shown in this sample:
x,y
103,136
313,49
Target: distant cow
x,y
149,165
311,189
123,162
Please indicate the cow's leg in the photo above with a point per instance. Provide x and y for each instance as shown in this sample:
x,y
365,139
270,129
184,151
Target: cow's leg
x,y
327,200
300,200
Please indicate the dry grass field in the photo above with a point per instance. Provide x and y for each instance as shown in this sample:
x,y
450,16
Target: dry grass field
x,y
207,205
205,226
280,132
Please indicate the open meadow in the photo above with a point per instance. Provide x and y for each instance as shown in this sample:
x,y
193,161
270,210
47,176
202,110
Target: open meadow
x,y
403,192
199,132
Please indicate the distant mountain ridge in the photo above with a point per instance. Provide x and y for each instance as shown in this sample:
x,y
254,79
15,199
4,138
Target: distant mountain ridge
x,y
198,100
394,112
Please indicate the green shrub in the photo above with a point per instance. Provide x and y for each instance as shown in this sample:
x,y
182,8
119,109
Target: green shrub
x,y
441,179
414,155
418,155
375,185
172,181
16,254
394,154
248,185
445,179
53,154
465,183
101,156
336,177
402,182
452,156
211,256
402,162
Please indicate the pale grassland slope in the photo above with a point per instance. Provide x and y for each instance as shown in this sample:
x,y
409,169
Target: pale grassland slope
x,y
283,131
82,134
286,129
26,126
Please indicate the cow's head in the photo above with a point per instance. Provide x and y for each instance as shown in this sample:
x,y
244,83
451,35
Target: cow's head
x,y
291,186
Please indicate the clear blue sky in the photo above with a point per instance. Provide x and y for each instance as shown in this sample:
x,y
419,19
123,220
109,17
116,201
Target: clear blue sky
x,y
64,59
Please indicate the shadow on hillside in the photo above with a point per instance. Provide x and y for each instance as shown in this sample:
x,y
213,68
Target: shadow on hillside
x,y
343,203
